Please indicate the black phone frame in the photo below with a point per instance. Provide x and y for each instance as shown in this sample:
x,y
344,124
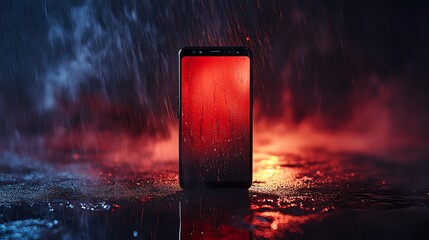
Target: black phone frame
x,y
214,51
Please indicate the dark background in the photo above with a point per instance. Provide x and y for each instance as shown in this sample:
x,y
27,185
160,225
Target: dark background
x,y
70,67
88,127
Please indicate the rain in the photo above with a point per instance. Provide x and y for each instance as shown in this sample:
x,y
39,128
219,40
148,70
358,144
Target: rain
x,y
89,129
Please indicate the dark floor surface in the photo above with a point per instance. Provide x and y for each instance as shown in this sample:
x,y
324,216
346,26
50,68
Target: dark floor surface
x,y
319,196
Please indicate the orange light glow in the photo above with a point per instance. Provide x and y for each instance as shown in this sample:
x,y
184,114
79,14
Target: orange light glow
x,y
269,224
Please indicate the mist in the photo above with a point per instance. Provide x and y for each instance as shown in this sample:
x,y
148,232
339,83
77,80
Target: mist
x,y
93,76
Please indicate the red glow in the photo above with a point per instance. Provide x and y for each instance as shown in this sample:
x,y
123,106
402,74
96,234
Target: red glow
x,y
211,84
375,128
205,230
279,224
288,157
112,149
76,156
215,112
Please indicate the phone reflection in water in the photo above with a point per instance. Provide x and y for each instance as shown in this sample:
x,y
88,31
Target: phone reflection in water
x,y
198,215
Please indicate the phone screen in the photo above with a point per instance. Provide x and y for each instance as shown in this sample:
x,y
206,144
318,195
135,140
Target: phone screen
x,y
215,119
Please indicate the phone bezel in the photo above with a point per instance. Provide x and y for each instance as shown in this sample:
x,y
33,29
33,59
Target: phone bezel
x,y
214,51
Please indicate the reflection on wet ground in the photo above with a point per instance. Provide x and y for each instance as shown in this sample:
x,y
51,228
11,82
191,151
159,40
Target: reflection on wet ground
x,y
320,195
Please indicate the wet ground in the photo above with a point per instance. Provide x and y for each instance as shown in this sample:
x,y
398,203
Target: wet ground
x,y
317,196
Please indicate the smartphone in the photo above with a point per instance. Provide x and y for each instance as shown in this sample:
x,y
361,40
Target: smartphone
x,y
215,117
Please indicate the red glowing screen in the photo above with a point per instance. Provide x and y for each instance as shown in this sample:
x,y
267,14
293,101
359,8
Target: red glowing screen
x,y
215,118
